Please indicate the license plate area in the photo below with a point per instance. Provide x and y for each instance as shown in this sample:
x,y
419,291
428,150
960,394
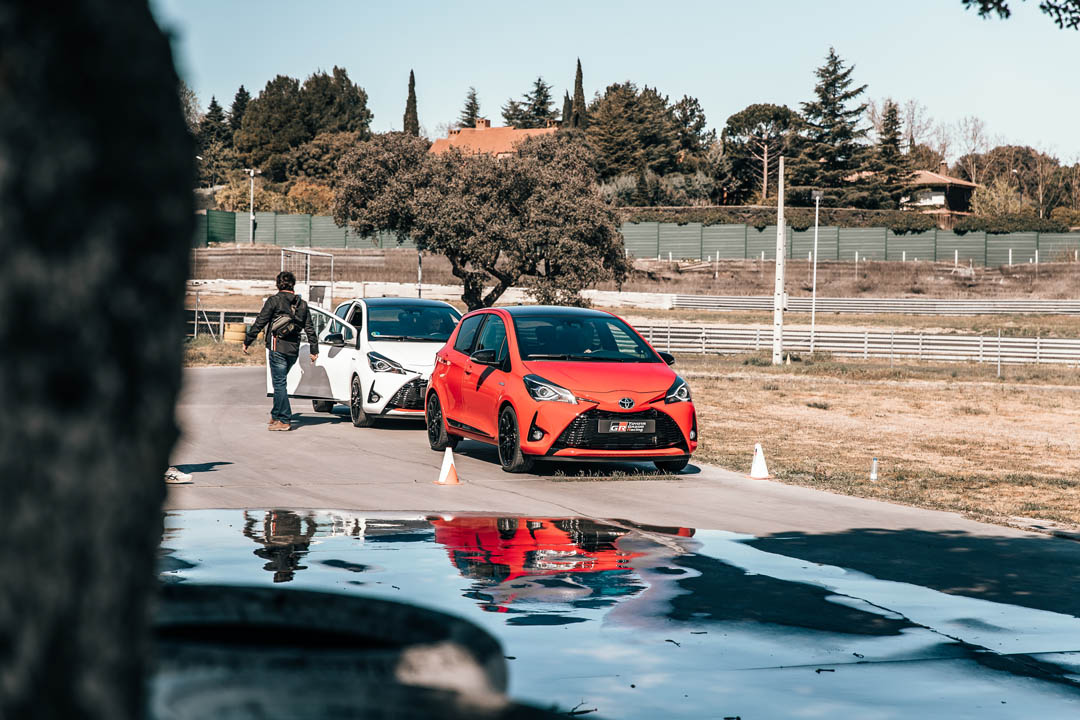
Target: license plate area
x,y
626,427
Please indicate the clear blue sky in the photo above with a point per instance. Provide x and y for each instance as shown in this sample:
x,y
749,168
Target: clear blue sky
x,y
1020,76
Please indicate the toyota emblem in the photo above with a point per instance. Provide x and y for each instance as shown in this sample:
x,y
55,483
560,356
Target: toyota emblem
x,y
626,403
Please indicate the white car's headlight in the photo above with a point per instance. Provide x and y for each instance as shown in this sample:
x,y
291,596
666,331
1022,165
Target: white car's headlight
x,y
678,392
541,389
381,363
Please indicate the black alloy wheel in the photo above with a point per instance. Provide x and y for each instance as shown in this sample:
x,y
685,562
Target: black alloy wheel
x,y
356,406
672,466
437,436
510,456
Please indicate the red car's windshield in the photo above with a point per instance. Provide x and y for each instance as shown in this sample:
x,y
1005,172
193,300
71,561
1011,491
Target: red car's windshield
x,y
601,338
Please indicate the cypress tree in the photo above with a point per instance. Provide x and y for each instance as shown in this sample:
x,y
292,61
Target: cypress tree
x,y
411,123
239,107
577,109
471,112
567,109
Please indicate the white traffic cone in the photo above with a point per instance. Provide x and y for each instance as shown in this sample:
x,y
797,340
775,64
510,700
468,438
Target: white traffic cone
x,y
448,472
758,471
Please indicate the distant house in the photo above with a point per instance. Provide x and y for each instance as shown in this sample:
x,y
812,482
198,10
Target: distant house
x,y
486,140
937,193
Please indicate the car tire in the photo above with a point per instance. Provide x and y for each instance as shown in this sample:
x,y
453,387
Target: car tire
x,y
324,406
509,444
438,438
672,466
356,405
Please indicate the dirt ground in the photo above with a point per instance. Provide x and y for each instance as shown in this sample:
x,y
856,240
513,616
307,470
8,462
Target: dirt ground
x,y
953,438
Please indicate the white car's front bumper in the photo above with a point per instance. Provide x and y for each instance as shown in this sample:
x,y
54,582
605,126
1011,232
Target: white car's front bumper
x,y
395,395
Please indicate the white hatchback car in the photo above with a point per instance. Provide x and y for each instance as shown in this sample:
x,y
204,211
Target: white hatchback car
x,y
375,355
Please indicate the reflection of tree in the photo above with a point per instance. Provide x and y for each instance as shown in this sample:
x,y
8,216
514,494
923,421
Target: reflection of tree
x,y
285,538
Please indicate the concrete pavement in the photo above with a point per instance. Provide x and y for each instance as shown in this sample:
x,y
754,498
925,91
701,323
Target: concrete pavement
x,y
327,463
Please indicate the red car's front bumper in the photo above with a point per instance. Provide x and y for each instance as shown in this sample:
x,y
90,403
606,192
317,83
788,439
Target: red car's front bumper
x,y
569,432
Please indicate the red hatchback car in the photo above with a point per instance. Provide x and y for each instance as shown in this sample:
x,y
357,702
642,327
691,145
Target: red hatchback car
x,y
558,383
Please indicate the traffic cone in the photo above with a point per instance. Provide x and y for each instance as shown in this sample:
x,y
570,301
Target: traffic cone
x,y
758,471
448,473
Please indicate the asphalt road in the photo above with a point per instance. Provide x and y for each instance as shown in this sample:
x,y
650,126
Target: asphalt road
x,y
326,463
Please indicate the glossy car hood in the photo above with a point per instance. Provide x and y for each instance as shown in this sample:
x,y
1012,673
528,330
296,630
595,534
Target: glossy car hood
x,y
418,356
603,377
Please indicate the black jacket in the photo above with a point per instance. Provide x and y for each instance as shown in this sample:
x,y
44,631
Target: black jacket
x,y
289,343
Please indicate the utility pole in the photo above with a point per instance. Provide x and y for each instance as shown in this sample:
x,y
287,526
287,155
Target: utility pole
x,y
778,291
419,273
251,172
813,296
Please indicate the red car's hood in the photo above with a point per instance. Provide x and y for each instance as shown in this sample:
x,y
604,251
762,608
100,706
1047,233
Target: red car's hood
x,y
602,377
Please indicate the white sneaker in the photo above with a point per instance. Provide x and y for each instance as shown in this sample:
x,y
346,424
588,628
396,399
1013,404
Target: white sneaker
x,y
175,477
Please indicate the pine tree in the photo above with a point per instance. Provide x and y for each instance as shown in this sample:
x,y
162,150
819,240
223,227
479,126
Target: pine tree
x,y
273,124
893,171
333,103
567,109
640,197
237,110
629,129
471,112
513,114
832,153
411,122
577,109
694,138
538,102
212,127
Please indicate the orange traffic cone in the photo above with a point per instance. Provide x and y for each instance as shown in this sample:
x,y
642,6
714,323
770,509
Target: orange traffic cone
x,y
448,473
758,471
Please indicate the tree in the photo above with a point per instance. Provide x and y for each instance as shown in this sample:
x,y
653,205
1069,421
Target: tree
x,y
578,113
971,132
333,103
471,112
924,157
237,110
567,109
273,123
534,110
1064,13
892,173
629,129
411,122
533,218
754,138
694,137
995,199
189,103
513,114
832,152
217,160
318,158
641,190
213,127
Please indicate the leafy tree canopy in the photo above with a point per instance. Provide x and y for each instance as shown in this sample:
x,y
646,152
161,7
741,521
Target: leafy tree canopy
x,y
1064,13
630,129
273,123
532,218
754,138
318,158
694,136
333,103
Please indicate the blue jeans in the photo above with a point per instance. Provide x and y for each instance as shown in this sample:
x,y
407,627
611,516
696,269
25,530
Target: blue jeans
x,y
280,364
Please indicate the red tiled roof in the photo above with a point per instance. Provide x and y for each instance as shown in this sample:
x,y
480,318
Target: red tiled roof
x,y
490,141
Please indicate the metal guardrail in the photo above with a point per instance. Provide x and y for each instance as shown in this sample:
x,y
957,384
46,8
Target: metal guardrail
x,y
908,306
205,321
867,344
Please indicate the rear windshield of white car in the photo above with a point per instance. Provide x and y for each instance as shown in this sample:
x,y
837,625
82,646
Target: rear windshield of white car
x,y
576,338
411,323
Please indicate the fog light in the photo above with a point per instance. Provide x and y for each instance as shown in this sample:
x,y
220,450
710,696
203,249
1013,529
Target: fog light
x,y
536,434
373,397
693,434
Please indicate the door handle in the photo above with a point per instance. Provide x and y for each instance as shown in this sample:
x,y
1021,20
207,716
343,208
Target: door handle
x,y
468,369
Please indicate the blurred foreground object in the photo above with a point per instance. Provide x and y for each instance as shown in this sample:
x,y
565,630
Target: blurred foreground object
x,y
96,216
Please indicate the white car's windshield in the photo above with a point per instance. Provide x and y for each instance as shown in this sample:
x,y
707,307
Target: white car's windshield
x,y
417,323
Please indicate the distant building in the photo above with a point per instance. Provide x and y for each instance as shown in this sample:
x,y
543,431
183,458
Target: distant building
x,y
937,193
486,140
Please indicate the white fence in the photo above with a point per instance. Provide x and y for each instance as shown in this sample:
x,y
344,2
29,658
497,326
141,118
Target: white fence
x,y
867,344
907,306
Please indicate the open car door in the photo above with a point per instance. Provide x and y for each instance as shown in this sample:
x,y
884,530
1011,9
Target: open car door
x,y
330,376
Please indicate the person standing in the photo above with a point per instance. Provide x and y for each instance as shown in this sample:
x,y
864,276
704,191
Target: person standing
x,y
284,316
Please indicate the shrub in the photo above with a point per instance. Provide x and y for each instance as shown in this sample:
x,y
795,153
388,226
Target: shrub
x,y
1065,215
1001,224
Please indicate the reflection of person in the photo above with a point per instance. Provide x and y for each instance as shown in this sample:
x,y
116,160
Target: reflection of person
x,y
284,315
285,538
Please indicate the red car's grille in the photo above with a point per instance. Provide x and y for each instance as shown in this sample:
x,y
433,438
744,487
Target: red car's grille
x,y
583,433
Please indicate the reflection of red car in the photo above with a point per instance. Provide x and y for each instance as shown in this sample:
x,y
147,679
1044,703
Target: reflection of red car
x,y
558,383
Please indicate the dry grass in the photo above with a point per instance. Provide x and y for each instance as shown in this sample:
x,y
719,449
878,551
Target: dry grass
x,y
951,439
204,352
